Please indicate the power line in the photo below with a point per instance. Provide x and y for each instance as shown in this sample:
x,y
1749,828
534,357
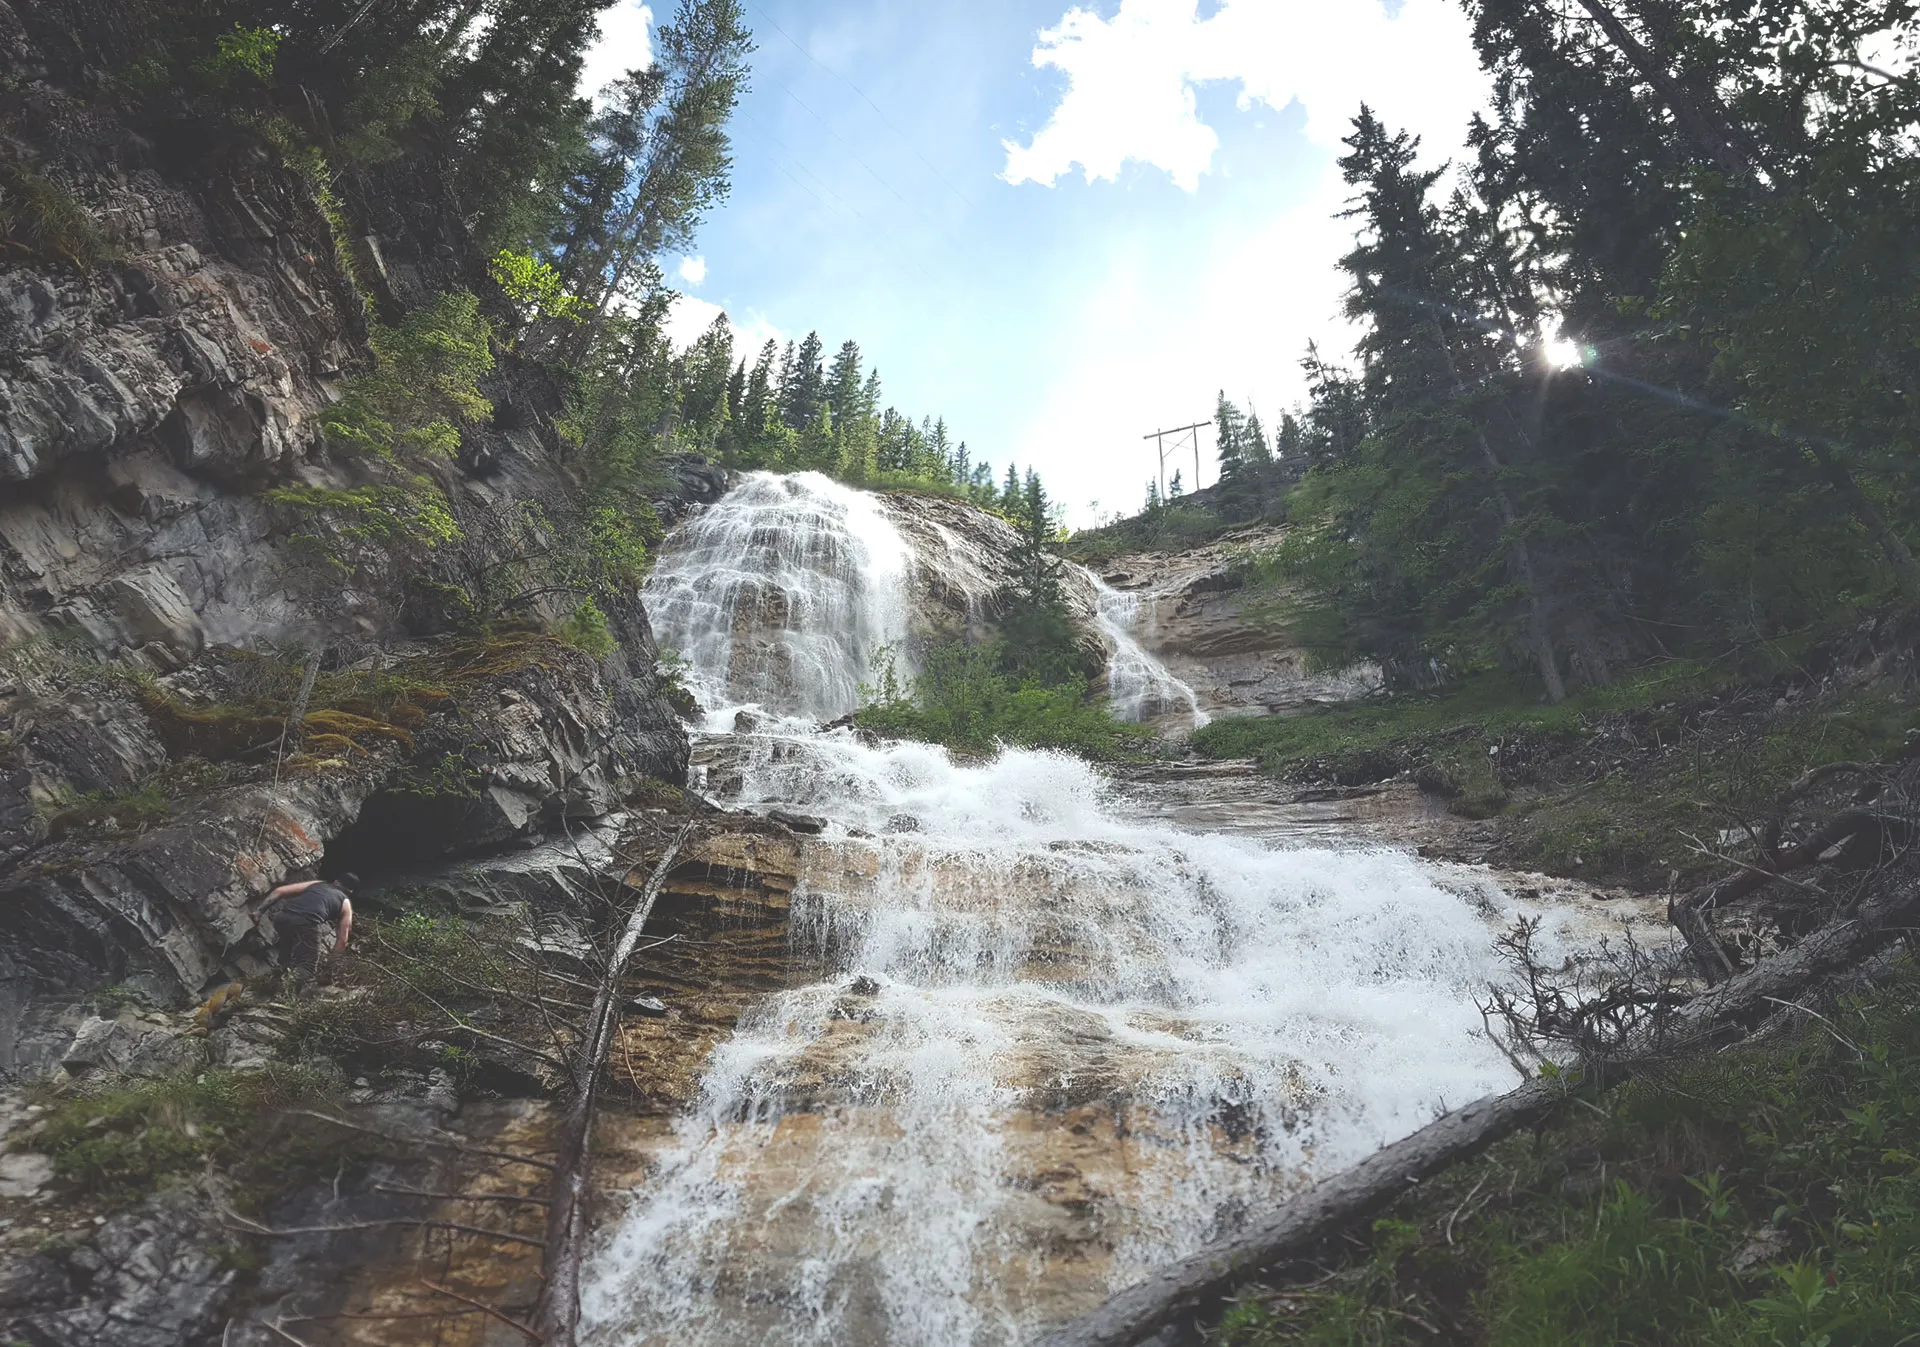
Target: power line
x,y
1158,437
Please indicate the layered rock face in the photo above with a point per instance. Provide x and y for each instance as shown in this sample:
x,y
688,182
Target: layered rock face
x,y
150,403
1193,617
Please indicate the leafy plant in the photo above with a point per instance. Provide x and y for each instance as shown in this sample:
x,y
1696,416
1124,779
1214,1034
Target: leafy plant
x,y
243,54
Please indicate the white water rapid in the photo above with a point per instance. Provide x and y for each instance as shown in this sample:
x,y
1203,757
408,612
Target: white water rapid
x,y
1057,1040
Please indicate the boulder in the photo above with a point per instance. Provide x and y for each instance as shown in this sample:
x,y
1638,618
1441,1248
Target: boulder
x,y
152,608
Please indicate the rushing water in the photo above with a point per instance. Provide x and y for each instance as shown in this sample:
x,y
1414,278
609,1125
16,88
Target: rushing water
x,y
1059,1041
1139,686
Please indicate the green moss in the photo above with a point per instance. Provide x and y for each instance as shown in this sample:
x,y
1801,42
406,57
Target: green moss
x,y
108,812
1769,1197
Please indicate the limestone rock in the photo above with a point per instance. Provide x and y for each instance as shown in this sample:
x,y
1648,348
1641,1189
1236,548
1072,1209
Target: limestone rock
x,y
1192,619
24,1173
131,1046
152,608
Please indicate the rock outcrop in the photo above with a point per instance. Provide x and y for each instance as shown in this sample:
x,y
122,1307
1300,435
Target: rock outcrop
x,y
153,396
1193,617
964,563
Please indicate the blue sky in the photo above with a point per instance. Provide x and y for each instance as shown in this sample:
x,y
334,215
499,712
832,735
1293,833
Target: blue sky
x,y
1059,226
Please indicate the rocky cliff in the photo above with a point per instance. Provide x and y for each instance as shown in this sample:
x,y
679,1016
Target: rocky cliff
x,y
164,363
1193,615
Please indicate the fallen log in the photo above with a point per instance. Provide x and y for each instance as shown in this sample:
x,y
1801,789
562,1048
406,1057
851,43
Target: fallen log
x,y
1718,1016
556,1318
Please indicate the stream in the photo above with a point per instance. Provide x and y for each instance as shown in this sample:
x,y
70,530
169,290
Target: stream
x,y
1063,1036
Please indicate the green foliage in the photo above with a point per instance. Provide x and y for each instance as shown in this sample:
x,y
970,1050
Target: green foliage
x,y
422,387
245,54
41,221
1768,1198
586,629
534,288
965,700
1730,463
121,1144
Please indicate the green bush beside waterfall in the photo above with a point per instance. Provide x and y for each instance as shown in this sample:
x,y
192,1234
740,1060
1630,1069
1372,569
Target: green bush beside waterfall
x,y
965,698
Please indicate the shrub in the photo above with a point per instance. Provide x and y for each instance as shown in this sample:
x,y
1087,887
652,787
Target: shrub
x,y
242,55
423,385
963,700
587,630
534,288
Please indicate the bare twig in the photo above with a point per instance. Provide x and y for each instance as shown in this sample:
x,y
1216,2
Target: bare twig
x,y
431,1139
388,1223
484,1308
460,1197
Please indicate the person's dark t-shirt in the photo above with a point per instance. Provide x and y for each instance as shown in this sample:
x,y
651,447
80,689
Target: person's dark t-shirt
x,y
319,905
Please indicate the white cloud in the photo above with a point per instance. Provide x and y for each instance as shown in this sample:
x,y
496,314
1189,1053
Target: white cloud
x,y
1128,361
624,45
693,270
691,316
1132,78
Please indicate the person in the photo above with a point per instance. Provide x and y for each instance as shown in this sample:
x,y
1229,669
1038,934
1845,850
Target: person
x,y
305,914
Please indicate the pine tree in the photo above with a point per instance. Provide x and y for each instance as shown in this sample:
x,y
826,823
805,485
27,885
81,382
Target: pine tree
x,y
1039,642
1229,430
803,383
844,383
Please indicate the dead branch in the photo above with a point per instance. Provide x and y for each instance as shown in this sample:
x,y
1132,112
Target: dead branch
x,y
460,1197
460,1025
430,1139
386,1223
557,1316
483,1307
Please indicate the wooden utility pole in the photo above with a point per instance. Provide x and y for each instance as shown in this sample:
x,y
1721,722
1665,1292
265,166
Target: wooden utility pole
x,y
1159,443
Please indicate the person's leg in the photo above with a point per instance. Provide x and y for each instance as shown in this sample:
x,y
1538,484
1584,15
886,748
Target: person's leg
x,y
299,948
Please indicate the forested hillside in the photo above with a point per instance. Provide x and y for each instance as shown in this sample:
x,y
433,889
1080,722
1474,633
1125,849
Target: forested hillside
x,y
1637,373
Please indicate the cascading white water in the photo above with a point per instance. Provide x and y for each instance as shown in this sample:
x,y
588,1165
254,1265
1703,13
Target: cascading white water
x,y
1059,1041
783,595
1139,686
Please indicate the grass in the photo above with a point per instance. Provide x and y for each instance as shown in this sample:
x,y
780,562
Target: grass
x,y
1169,529
1766,1197
41,221
1630,783
118,1145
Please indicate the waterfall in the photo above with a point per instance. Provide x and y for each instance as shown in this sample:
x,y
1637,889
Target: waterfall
x,y
782,595
1139,686
1052,1041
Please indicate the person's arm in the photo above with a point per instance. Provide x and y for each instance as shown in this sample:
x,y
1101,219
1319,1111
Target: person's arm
x,y
288,890
346,925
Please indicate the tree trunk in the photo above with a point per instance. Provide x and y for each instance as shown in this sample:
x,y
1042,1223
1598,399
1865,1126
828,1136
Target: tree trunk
x,y
1138,1312
557,1316
1906,571
1710,129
